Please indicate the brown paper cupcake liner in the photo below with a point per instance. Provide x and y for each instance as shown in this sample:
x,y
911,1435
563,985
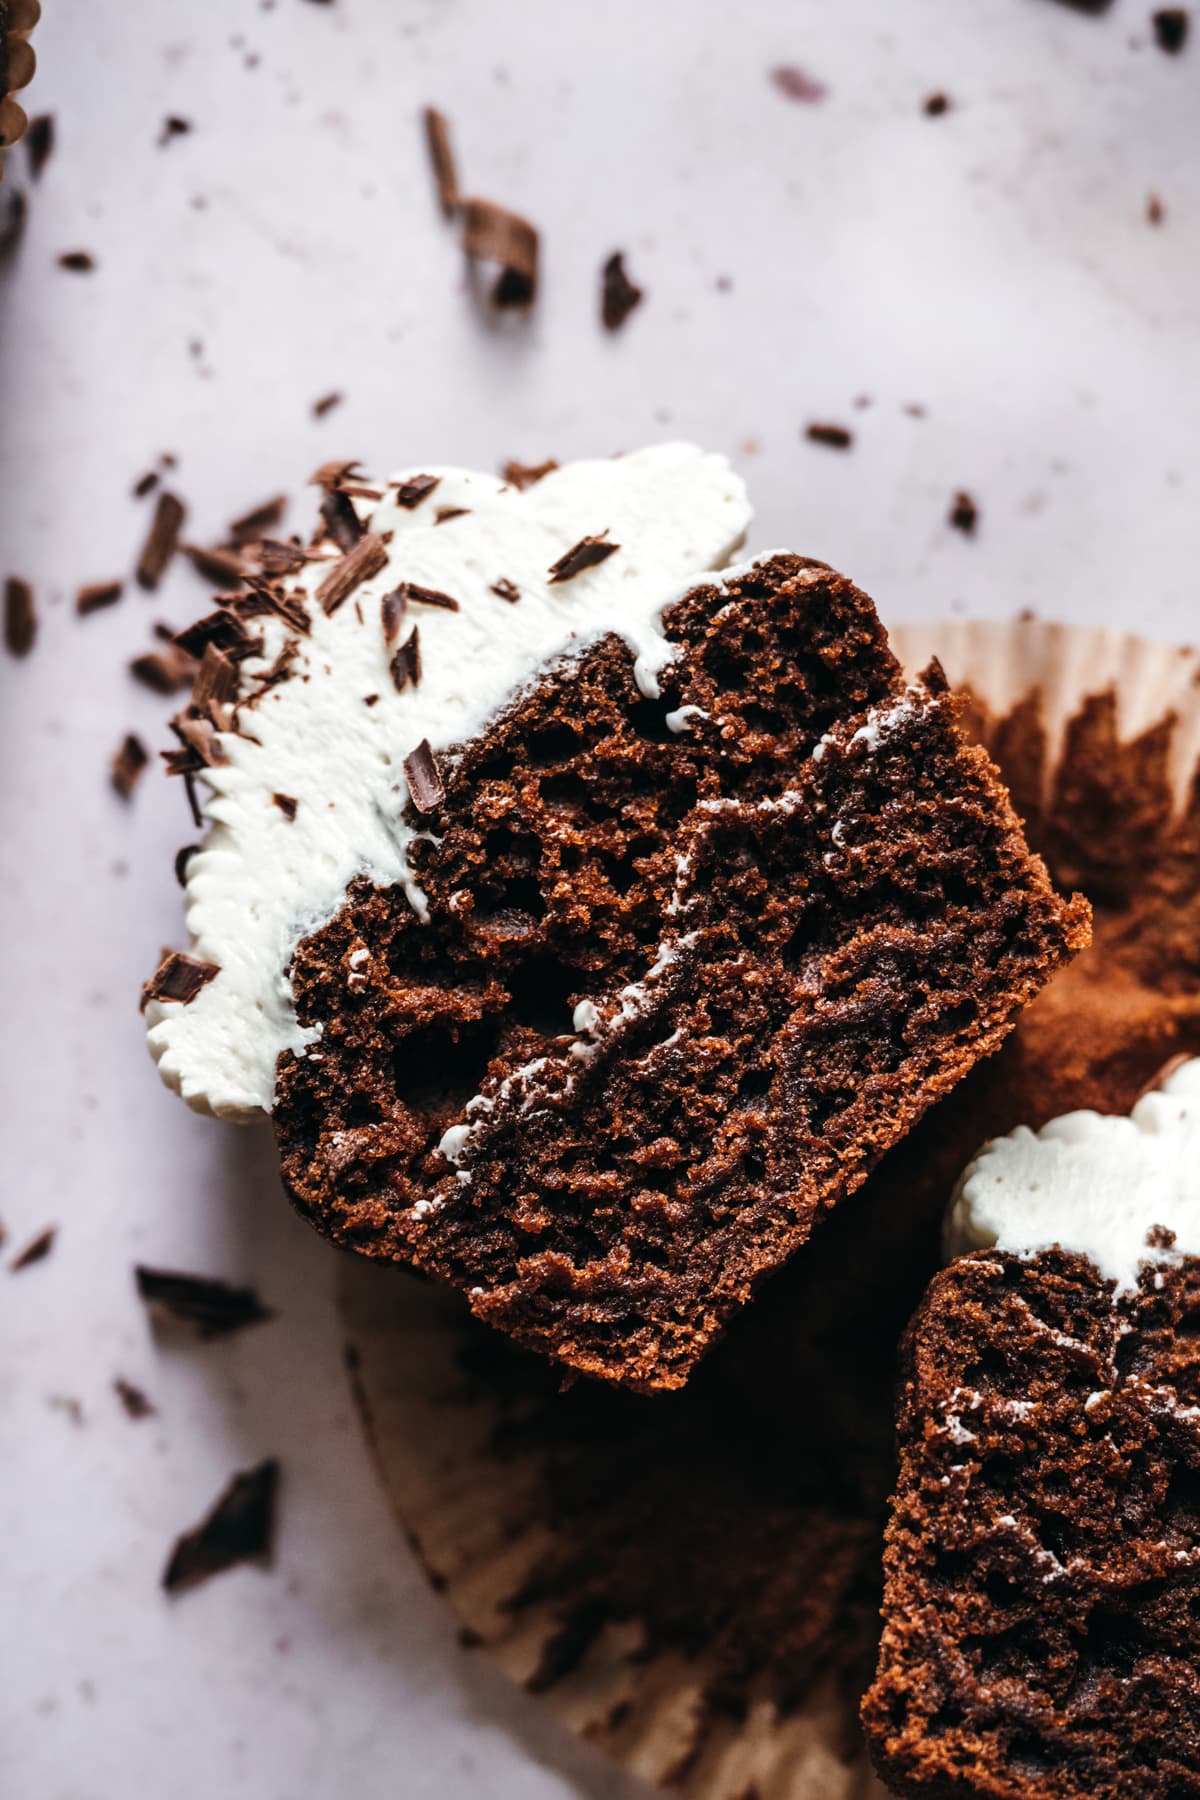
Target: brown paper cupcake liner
x,y
17,65
691,1581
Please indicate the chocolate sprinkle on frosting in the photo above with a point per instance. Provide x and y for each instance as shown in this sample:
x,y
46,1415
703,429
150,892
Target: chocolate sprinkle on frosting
x,y
506,589
331,475
20,616
416,595
287,805
224,629
128,764
99,594
216,563
835,437
406,664
584,555
492,234
411,493
278,558
178,977
441,156
211,1307
392,609
342,522
161,541
358,565
795,83
523,475
183,857
424,778
36,1250
618,295
240,1526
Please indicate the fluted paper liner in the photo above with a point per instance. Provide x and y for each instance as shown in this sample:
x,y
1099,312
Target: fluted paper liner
x,y
476,1498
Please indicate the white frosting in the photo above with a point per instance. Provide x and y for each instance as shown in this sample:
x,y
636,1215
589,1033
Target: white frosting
x,y
261,881
1092,1184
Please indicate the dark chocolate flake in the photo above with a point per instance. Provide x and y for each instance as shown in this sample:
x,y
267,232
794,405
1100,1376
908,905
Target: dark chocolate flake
x,y
618,294
20,616
35,1251
224,629
178,977
506,590
286,805
39,142
1171,28
415,595
14,211
183,857
342,523
444,514
326,404
834,437
163,671
79,262
523,475
278,558
210,1307
128,764
331,475
258,520
935,105
136,1402
441,156
216,680
1156,212
795,83
584,555
368,556
173,126
216,562
494,235
161,540
424,778
405,666
411,493
964,514
240,1527
96,595
392,609
145,484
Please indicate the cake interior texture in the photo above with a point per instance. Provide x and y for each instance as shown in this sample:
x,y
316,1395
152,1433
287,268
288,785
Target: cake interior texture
x,y
1042,1562
690,967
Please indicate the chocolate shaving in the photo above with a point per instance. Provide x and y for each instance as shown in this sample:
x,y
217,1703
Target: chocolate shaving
x,y
618,295
145,484
836,437
392,609
224,629
523,475
935,105
20,616
492,234
1156,212
795,83
341,521
286,805
258,520
216,563
136,1403
79,262
161,540
441,156
210,1307
173,126
507,590
128,764
36,1250
39,142
444,514
13,214
216,679
406,664
326,404
189,788
331,475
424,778
164,672
199,735
416,595
97,595
584,555
277,558
240,1526
964,514
280,669
411,493
178,977
183,857
368,556
1170,28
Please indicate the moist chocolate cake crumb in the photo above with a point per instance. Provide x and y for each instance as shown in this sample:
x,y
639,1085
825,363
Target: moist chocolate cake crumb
x,y
795,83
287,805
618,294
836,437
964,514
79,262
240,1528
492,234
136,1402
411,493
523,475
935,105
678,989
1040,1621
441,156
39,142
584,555
1171,28
506,590
161,541
424,778
128,764
20,617
210,1307
98,595
35,1251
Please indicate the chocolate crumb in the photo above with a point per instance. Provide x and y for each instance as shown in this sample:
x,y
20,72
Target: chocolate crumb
x,y
210,1307
493,234
342,523
20,616
618,294
35,1251
79,262
98,594
411,493
145,484
795,83
216,563
584,555
441,156
523,475
183,857
1160,1237
368,556
128,765
935,105
136,1403
444,514
161,540
39,142
964,514
836,437
258,520
326,404
286,805
424,778
506,589
406,664
239,1528
1156,212
1171,28
371,699
173,126
13,213
178,977
223,628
